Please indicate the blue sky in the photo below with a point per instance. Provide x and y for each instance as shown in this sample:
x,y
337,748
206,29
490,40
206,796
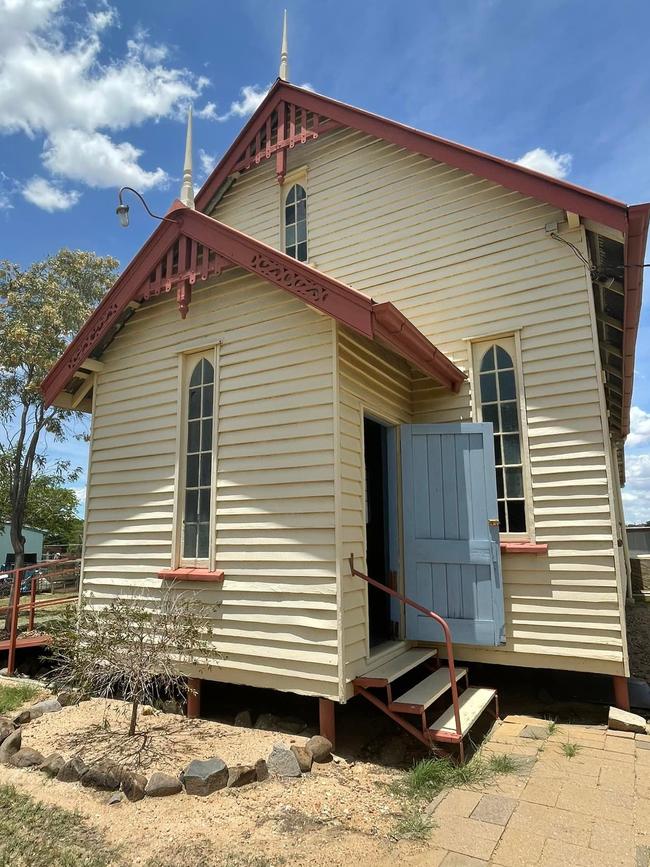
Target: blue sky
x,y
92,96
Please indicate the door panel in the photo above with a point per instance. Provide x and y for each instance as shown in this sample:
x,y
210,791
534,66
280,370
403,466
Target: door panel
x,y
451,551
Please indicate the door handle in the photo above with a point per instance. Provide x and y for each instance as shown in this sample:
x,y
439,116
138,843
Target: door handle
x,y
493,522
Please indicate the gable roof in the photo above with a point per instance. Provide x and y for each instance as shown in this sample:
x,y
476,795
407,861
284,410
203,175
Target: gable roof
x,y
256,142
567,196
189,245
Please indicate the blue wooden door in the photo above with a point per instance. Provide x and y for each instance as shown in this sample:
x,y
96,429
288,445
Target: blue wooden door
x,y
452,560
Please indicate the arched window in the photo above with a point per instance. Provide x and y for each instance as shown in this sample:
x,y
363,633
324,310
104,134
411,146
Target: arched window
x,y
295,223
198,466
498,395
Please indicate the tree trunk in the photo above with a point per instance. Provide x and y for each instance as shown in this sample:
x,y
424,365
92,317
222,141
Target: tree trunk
x,y
18,564
134,717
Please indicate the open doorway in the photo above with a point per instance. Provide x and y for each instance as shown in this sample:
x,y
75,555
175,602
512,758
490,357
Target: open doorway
x,y
381,528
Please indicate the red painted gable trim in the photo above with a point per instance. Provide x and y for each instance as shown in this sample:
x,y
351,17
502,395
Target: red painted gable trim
x,y
382,322
632,220
563,195
635,244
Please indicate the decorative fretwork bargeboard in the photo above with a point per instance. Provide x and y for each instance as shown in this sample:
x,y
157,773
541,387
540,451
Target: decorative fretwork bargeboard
x,y
185,262
284,127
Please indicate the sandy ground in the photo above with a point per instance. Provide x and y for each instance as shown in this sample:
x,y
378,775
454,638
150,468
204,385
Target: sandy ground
x,y
345,807
638,638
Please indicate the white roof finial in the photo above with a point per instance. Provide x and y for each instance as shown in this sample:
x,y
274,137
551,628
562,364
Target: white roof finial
x,y
187,187
284,52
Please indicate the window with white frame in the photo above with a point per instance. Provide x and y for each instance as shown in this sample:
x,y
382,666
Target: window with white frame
x,y
197,497
295,223
497,401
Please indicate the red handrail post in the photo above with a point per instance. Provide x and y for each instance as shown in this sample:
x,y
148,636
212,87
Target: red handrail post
x,y
13,630
445,628
32,601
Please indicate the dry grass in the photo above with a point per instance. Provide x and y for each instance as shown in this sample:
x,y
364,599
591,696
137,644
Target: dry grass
x,y
13,697
33,835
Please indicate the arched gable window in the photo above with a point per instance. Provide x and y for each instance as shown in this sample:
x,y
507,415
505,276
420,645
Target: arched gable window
x,y
198,465
499,405
295,223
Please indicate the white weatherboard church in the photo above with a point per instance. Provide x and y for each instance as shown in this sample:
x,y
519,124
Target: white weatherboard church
x,y
369,376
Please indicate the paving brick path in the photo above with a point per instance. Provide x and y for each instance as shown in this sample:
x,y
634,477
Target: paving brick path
x,y
592,810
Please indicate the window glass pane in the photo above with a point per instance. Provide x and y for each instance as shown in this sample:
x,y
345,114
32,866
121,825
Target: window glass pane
x,y
511,450
502,516
507,385
291,235
300,192
514,482
509,419
203,542
488,360
491,413
302,230
516,517
500,493
289,215
189,540
497,450
204,505
291,251
207,400
488,387
191,505
208,371
291,196
193,431
196,375
206,467
194,409
302,210
503,359
206,435
498,399
302,252
192,477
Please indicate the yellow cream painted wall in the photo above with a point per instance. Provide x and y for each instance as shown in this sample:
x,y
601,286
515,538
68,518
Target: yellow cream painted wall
x,y
276,612
465,259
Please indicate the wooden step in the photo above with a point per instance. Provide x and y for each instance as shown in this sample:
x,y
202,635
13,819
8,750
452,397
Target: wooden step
x,y
423,694
389,671
471,704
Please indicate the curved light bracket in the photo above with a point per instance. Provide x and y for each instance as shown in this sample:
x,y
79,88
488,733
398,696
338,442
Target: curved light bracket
x,y
122,209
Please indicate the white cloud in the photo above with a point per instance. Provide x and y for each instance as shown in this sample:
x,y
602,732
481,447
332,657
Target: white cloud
x,y
208,162
639,427
251,97
48,196
8,188
56,85
636,493
548,162
96,160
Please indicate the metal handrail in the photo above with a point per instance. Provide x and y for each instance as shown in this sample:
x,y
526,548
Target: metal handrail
x,y
58,569
440,620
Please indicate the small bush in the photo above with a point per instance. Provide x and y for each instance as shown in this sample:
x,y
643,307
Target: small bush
x,y
12,697
413,826
570,750
429,777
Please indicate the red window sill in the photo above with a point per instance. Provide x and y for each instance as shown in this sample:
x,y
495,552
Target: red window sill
x,y
523,548
191,573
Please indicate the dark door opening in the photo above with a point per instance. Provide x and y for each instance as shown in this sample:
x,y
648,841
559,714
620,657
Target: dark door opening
x,y
378,553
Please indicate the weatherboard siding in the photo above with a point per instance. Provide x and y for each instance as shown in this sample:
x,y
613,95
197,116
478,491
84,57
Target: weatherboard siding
x,y
376,382
275,615
464,259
